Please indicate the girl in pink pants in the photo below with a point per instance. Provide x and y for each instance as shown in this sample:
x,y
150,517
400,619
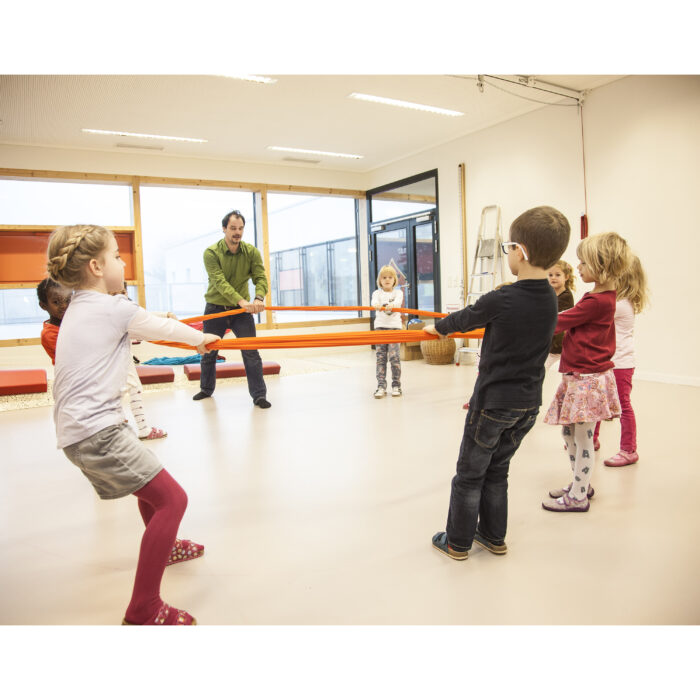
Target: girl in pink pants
x,y
632,297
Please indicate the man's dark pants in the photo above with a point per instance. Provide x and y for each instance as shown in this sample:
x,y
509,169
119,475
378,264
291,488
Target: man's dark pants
x,y
480,487
243,326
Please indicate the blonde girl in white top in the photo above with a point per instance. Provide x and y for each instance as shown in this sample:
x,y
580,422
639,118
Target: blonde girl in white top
x,y
92,353
632,297
385,299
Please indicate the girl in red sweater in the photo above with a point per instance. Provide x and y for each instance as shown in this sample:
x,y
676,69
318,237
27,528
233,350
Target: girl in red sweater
x,y
587,392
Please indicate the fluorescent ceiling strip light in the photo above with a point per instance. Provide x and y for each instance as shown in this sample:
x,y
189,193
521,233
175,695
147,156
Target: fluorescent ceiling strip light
x,y
143,136
315,153
252,78
407,105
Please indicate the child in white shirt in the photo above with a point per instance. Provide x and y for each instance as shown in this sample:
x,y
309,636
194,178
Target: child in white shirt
x,y
92,352
385,300
632,297
134,388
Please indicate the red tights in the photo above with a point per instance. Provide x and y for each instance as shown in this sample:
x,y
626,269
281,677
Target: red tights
x,y
162,503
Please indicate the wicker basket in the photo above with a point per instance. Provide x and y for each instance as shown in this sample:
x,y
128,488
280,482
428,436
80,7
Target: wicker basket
x,y
439,352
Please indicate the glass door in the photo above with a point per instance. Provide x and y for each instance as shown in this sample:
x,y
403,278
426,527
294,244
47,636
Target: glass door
x,y
427,296
402,219
391,248
411,248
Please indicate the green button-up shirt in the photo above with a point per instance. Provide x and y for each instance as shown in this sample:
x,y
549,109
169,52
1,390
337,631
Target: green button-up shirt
x,y
229,273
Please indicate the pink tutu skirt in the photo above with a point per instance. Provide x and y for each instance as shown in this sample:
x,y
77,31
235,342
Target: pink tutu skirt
x,y
584,399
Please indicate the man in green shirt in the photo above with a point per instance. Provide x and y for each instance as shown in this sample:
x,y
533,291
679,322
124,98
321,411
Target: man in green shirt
x,y
230,263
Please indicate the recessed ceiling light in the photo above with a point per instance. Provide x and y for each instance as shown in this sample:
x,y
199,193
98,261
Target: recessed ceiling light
x,y
315,153
252,78
143,136
407,105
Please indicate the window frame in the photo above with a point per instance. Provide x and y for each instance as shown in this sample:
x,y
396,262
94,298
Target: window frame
x,y
259,190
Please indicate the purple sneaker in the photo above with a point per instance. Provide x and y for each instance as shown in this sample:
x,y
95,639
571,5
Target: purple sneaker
x,y
566,504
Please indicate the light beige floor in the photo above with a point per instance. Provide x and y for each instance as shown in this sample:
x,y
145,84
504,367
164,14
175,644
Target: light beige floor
x,y
321,509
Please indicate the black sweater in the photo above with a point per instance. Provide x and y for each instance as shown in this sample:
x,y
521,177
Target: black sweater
x,y
519,320
564,301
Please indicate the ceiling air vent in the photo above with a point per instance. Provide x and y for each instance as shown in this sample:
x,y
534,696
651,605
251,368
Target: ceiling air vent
x,y
301,160
140,147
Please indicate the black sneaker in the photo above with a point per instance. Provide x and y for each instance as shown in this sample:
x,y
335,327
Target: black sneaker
x,y
201,395
262,402
440,543
491,546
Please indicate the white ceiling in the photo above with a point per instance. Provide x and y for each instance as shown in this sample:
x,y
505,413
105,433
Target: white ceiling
x,y
241,119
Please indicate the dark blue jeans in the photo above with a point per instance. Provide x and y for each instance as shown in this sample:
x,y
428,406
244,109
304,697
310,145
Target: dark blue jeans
x,y
479,497
242,326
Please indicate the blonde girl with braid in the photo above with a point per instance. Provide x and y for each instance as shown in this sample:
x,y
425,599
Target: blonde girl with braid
x,y
92,355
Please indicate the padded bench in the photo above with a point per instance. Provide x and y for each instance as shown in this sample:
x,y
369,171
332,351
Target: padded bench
x,y
229,369
155,374
22,381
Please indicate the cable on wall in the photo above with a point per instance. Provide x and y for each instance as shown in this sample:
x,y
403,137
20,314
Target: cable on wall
x,y
524,82
584,216
531,87
560,91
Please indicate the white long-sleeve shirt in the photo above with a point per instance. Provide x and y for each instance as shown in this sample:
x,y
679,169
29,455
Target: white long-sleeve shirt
x,y
624,335
92,356
380,298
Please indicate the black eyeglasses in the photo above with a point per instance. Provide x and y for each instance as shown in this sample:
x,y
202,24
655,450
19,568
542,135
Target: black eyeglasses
x,y
505,247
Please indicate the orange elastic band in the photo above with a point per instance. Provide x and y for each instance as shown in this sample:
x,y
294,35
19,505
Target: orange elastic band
x,y
324,340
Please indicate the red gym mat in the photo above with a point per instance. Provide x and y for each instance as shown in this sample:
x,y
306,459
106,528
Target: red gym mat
x,y
155,374
22,381
229,369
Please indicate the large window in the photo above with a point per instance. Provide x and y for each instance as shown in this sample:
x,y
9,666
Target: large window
x,y
62,203
177,224
36,202
313,255
313,243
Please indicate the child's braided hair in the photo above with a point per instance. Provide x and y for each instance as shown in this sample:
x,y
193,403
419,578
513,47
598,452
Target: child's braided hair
x,y
71,248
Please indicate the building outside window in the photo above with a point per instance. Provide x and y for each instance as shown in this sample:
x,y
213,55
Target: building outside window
x,y
313,255
178,224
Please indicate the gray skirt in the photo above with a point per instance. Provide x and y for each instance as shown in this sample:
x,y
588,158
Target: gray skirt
x,y
115,461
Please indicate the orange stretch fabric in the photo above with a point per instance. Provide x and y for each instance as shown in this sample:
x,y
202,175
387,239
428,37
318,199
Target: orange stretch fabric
x,y
324,340
413,312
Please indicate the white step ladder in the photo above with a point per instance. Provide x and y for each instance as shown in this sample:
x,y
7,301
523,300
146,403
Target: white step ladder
x,y
488,268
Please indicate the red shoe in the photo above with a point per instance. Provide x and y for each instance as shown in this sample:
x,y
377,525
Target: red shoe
x,y
466,406
168,616
184,550
622,459
155,434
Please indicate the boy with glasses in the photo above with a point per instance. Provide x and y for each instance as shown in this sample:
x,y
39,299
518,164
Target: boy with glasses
x,y
519,320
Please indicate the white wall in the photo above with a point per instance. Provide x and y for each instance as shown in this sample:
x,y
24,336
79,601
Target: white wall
x,y
643,172
642,142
